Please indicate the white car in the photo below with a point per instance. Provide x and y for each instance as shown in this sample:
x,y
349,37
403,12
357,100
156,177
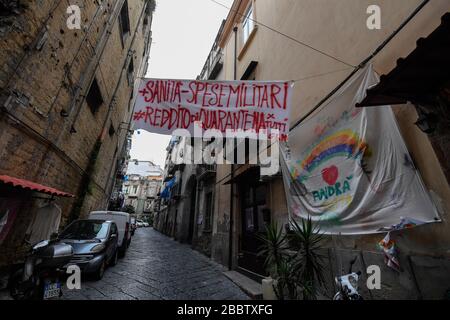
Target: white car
x,y
139,223
123,222
146,224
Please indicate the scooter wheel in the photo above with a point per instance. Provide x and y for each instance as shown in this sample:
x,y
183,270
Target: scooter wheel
x,y
338,296
18,293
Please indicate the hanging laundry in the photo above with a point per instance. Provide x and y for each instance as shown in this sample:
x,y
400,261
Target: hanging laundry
x,y
46,222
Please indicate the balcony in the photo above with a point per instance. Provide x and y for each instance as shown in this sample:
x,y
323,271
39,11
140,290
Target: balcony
x,y
214,62
213,65
206,171
176,192
172,168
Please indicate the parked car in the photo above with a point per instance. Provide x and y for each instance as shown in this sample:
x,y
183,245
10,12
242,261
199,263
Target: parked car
x,y
94,243
123,222
133,225
139,223
146,224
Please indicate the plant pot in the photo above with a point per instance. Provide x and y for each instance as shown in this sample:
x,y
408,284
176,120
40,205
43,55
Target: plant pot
x,y
267,288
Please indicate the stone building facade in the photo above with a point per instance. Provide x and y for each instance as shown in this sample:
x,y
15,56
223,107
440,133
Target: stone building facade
x,y
179,190
66,98
142,186
187,198
251,51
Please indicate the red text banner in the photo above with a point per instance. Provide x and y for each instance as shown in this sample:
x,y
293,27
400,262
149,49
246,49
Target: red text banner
x,y
163,106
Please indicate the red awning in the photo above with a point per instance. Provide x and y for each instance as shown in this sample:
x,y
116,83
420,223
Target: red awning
x,y
25,184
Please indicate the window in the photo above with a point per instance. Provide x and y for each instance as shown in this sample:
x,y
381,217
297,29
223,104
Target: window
x,y
147,41
248,24
85,230
124,21
113,228
135,189
94,97
112,131
208,211
131,72
256,215
130,102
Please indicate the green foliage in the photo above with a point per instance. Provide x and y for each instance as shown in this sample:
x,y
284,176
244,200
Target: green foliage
x,y
293,259
129,209
153,5
274,248
307,263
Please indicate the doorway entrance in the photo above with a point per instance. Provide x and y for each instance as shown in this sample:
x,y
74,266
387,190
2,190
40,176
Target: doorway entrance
x,y
193,197
255,215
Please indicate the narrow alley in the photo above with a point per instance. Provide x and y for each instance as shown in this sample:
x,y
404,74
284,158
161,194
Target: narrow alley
x,y
159,268
220,150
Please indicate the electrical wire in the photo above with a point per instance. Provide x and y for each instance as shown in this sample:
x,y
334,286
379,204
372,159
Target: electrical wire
x,y
322,104
355,68
285,35
362,64
320,74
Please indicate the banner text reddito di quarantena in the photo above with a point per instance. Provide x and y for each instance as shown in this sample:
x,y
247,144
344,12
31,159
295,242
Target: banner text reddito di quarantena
x,y
166,105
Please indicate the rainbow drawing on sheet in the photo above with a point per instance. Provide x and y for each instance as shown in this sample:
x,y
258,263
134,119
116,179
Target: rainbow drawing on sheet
x,y
343,143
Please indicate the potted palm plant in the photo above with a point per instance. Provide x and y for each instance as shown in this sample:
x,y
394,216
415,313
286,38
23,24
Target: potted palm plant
x,y
293,259
306,240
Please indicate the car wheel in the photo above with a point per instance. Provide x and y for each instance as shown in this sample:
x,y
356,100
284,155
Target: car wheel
x,y
115,258
98,275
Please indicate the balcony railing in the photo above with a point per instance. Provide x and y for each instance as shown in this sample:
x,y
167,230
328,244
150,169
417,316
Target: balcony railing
x,y
205,171
213,65
214,62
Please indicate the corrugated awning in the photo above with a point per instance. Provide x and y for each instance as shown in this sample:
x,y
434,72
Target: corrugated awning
x,y
420,76
33,186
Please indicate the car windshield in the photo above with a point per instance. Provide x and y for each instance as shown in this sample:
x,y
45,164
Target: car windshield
x,y
85,230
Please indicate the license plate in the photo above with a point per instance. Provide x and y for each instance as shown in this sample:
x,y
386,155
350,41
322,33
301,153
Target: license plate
x,y
52,290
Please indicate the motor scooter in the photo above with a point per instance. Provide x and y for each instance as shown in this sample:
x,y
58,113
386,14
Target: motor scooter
x,y
348,285
41,275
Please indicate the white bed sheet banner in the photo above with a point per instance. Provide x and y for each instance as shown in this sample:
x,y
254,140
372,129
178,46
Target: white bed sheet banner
x,y
349,168
163,105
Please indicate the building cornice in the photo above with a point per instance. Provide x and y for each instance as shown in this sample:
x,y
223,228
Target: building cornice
x,y
234,16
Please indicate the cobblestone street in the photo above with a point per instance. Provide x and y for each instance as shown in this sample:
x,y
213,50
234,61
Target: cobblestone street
x,y
157,267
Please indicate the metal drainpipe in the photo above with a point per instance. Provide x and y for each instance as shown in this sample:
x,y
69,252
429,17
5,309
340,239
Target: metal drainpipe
x,y
230,242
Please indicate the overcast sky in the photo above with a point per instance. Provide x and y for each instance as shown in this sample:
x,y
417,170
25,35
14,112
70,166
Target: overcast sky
x,y
183,33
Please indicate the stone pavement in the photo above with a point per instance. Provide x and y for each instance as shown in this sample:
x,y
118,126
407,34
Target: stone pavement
x,y
157,267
